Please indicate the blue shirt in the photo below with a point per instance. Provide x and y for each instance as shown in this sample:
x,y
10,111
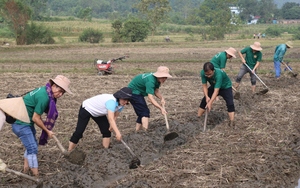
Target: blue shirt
x,y
279,52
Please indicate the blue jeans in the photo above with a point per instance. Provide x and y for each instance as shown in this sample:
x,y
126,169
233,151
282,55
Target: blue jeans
x,y
277,69
27,136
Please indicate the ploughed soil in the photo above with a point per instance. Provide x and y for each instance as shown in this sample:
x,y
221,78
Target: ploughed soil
x,y
263,150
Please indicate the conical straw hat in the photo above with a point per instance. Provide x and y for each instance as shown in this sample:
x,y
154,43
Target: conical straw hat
x,y
15,107
2,119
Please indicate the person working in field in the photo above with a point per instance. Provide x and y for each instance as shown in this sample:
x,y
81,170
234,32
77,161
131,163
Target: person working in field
x,y
220,84
38,101
252,59
103,109
147,84
220,59
278,57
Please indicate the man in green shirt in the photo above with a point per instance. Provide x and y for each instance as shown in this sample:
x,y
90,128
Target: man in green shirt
x,y
147,84
252,59
220,84
220,59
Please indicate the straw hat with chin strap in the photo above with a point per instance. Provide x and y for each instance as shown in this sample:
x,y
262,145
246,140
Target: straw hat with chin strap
x,y
256,46
62,82
231,51
289,44
162,71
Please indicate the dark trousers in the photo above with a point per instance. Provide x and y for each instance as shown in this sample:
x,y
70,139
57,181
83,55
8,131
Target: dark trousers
x,y
83,119
225,93
140,107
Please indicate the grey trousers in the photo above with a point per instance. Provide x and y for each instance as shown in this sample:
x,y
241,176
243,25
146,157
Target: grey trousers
x,y
244,70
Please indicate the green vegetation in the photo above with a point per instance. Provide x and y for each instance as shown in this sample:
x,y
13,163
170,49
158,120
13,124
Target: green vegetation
x,y
91,35
38,34
132,21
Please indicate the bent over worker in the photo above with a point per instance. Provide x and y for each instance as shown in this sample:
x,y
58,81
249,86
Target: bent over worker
x,y
220,84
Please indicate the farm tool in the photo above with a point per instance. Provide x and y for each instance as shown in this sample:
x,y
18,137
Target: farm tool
x,y
237,94
135,162
106,67
289,68
205,120
3,168
169,135
75,156
264,91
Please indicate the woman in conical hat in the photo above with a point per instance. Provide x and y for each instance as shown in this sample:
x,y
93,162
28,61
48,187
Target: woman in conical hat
x,y
38,101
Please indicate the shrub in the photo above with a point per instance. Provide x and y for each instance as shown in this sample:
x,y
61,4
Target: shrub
x,y
38,34
135,30
91,35
5,32
117,27
296,36
273,31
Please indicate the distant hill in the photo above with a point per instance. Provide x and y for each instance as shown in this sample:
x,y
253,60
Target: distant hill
x,y
279,3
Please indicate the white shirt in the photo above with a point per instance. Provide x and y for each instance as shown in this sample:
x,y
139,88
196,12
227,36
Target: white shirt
x,y
100,104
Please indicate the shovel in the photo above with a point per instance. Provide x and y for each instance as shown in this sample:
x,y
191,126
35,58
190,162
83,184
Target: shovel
x,y
237,94
75,156
205,120
3,168
169,135
294,74
264,91
135,162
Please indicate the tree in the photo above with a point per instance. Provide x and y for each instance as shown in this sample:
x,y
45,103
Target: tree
x,y
117,26
85,14
249,8
266,10
16,14
217,16
290,11
38,7
155,11
263,8
135,30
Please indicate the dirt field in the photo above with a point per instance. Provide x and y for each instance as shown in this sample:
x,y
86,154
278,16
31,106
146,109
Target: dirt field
x,y
263,150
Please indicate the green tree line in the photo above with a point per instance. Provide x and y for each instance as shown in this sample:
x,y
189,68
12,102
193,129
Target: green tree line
x,y
135,19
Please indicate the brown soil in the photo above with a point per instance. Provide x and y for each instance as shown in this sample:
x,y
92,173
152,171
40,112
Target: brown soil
x,y
262,151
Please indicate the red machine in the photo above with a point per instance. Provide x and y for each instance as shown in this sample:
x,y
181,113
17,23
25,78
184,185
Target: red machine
x,y
106,67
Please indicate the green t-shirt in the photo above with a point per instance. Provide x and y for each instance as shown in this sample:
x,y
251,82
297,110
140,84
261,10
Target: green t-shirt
x,y
35,101
144,84
218,80
251,58
219,60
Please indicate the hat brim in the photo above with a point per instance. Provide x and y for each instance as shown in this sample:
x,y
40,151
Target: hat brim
x,y
232,55
288,45
162,75
255,48
60,85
